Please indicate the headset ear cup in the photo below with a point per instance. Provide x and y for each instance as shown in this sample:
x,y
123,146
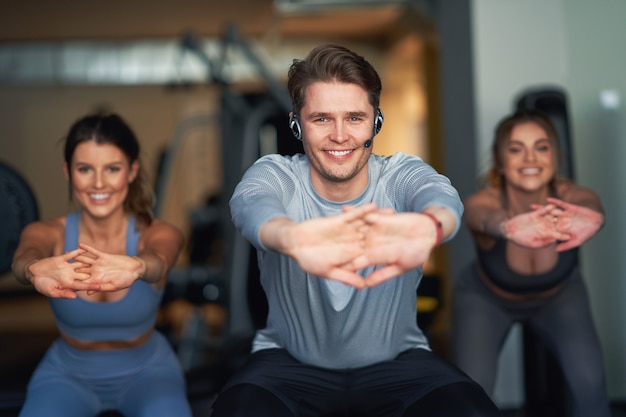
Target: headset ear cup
x,y
294,125
378,121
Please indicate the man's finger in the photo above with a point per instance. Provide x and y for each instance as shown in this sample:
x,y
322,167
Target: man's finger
x,y
382,275
346,277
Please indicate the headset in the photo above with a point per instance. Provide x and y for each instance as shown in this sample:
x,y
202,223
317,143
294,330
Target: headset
x,y
294,125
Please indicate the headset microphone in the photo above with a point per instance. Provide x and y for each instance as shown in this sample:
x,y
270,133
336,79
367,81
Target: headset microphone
x,y
378,124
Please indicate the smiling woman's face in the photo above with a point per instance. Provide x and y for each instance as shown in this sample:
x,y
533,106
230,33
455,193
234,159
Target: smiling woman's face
x,y
100,175
528,158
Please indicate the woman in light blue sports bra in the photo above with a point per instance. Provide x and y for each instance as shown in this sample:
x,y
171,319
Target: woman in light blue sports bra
x,y
104,268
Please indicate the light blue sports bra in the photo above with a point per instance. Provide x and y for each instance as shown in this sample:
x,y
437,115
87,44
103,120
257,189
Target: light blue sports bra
x,y
124,319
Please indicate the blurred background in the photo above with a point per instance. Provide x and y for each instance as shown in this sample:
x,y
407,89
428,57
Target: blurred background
x,y
202,83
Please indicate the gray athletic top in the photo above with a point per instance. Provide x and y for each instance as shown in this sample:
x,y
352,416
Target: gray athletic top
x,y
322,322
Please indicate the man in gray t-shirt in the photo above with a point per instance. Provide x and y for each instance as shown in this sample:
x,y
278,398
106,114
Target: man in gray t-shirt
x,y
342,235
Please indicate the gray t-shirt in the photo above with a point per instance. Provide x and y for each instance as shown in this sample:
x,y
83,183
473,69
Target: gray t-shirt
x,y
322,322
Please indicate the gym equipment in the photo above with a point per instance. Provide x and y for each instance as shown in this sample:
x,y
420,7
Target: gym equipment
x,y
18,207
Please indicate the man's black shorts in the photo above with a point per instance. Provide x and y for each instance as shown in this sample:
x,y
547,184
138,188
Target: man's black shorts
x,y
387,388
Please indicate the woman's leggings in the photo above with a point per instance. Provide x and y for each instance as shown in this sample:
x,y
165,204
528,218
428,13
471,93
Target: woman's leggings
x,y
146,381
563,322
